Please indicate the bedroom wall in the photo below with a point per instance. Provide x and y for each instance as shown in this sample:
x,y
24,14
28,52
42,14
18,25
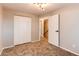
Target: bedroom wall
x,y
8,26
69,27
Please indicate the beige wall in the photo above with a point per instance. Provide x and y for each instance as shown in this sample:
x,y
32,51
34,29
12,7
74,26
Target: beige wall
x,y
69,27
8,26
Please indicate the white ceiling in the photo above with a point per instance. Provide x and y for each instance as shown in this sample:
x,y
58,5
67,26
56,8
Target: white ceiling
x,y
31,8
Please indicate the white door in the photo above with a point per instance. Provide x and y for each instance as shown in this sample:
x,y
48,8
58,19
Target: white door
x,y
53,34
22,30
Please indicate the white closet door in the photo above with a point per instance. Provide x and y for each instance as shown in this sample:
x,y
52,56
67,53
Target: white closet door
x,y
53,33
22,30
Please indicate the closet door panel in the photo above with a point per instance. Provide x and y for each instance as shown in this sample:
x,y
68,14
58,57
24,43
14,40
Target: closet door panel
x,y
22,30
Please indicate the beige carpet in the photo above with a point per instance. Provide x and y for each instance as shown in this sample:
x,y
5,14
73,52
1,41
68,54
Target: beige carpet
x,y
40,48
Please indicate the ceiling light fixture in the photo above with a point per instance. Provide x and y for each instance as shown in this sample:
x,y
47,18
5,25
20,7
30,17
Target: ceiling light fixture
x,y
41,5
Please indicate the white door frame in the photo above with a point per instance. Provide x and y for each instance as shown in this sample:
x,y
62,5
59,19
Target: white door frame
x,y
42,19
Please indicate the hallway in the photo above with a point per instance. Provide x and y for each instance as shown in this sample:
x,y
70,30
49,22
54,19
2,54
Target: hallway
x,y
40,48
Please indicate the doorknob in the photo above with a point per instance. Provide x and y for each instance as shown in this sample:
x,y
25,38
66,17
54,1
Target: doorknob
x,y
57,30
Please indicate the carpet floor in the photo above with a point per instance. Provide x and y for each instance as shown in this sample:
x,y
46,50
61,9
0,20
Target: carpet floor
x,y
40,48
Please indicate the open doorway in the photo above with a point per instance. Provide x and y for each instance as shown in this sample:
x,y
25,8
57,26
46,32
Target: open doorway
x,y
43,29
46,29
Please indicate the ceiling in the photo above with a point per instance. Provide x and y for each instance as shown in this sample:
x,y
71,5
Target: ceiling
x,y
31,8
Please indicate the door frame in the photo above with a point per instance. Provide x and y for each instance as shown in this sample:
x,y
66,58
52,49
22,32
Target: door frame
x,y
59,29
42,27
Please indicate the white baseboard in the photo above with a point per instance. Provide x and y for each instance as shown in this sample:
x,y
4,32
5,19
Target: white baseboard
x,y
5,48
69,51
8,47
40,37
35,41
